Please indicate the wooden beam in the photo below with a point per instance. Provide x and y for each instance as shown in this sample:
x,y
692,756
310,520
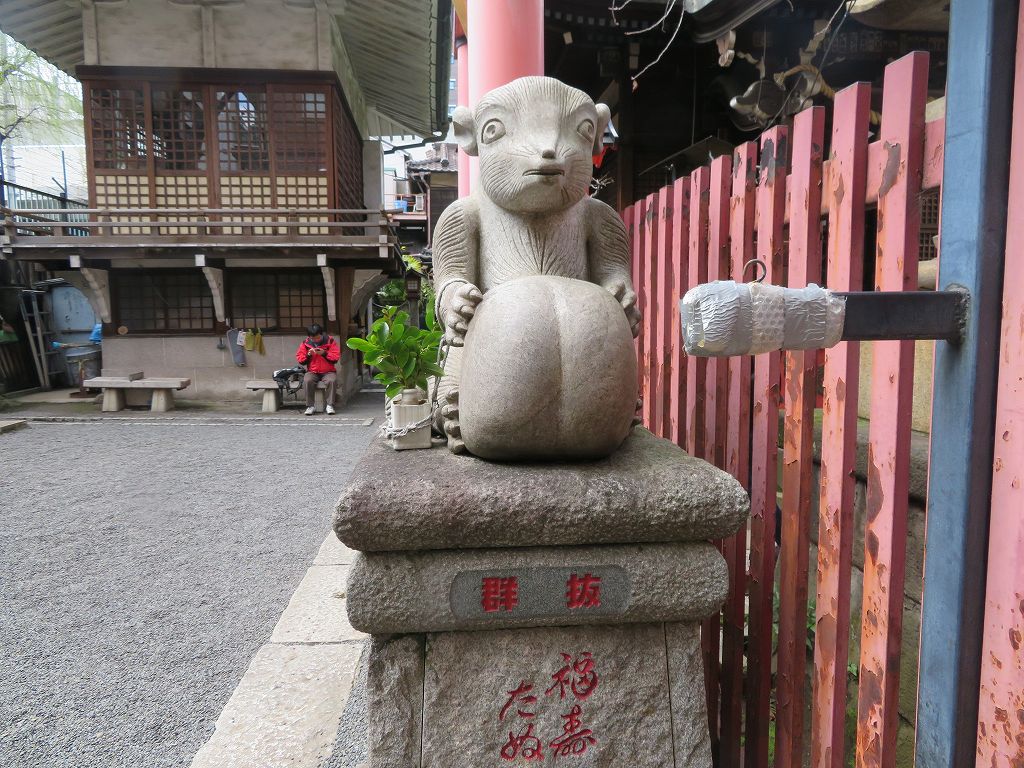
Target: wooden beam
x,y
99,288
346,285
215,278
330,293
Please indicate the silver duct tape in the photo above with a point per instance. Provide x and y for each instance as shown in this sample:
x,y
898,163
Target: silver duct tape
x,y
806,309
835,319
716,319
726,318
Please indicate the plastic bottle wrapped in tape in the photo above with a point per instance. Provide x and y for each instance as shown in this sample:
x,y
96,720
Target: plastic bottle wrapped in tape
x,y
726,318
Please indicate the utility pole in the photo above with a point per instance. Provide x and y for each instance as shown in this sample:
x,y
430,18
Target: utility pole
x,y
3,139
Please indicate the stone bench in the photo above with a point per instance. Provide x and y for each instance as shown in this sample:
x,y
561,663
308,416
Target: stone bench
x,y
272,394
114,389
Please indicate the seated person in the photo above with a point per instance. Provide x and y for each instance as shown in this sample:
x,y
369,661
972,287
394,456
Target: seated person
x,y
319,352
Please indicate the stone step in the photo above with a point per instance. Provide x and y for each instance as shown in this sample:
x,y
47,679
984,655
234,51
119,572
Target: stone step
x,y
10,425
397,592
650,490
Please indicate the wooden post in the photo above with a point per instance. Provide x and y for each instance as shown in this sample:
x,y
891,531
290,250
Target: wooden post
x,y
771,199
696,367
679,249
892,392
845,187
741,244
798,453
650,351
663,319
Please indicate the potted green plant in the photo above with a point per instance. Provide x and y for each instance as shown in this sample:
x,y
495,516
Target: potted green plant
x,y
405,358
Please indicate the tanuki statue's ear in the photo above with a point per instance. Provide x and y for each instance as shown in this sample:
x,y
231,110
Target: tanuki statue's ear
x,y
603,116
465,130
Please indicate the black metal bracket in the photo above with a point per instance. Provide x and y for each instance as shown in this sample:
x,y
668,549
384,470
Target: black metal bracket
x,y
905,315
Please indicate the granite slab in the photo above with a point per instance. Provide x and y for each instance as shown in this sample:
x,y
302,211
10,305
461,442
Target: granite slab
x,y
397,592
650,490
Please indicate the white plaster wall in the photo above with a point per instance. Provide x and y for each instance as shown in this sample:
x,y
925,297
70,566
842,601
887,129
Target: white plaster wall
x,y
266,34
149,33
246,34
255,34
214,376
373,174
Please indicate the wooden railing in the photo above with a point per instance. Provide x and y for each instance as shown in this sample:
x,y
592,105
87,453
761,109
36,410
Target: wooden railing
x,y
214,224
786,200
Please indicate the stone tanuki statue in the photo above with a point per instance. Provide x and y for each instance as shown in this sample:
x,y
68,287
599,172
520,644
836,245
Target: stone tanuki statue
x,y
545,612
534,288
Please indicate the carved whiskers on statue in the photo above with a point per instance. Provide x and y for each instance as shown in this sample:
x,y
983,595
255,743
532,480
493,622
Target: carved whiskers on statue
x,y
533,285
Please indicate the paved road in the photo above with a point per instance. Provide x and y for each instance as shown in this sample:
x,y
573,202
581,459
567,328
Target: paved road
x,y
141,567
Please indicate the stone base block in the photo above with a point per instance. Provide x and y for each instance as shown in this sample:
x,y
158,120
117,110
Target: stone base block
x,y
649,490
582,697
400,592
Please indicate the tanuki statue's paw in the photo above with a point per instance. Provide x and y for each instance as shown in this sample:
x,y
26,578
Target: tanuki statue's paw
x,y
450,415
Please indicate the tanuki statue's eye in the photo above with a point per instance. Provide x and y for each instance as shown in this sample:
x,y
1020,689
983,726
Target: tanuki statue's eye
x,y
586,129
493,130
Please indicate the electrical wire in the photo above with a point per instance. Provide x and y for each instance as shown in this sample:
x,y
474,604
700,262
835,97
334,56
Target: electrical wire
x,y
659,22
672,39
848,5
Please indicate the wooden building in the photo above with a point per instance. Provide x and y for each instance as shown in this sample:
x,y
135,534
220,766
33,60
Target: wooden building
x,y
234,181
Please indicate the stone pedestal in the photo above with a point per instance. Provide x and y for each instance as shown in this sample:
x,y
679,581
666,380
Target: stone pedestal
x,y
529,613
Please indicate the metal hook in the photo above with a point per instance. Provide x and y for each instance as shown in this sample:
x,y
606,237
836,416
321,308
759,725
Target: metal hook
x,y
757,263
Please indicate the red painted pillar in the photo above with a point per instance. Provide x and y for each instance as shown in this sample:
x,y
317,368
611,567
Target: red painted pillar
x,y
507,41
462,97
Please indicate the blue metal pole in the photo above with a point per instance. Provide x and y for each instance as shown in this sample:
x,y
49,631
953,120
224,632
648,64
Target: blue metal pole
x,y
979,101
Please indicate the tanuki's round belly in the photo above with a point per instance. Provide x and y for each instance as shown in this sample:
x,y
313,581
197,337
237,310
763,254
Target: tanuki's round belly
x,y
548,372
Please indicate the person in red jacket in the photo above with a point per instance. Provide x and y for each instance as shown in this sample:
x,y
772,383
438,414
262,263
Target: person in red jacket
x,y
319,352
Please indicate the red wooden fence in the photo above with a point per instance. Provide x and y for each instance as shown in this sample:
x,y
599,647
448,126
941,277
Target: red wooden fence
x,y
781,200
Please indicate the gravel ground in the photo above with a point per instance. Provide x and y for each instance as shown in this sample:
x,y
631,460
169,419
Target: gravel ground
x,y
351,747
141,567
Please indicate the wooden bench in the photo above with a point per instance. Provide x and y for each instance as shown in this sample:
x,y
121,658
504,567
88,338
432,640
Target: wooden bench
x,y
272,395
114,387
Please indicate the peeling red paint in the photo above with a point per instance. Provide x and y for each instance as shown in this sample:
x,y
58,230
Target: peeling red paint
x,y
847,180
770,216
798,459
904,95
741,244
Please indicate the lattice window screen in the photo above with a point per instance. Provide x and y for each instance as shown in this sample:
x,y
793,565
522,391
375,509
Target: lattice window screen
x,y
162,301
287,301
181,191
246,192
242,131
304,192
348,150
118,128
929,225
300,297
179,130
124,191
299,131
